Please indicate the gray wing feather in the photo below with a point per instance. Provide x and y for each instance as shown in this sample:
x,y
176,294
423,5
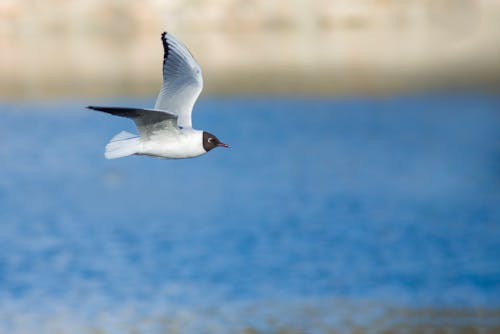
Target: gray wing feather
x,y
182,81
148,121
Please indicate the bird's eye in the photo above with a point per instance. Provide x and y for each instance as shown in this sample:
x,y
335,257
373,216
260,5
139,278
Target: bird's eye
x,y
210,140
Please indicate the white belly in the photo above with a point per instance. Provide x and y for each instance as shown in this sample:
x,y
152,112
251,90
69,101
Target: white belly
x,y
182,144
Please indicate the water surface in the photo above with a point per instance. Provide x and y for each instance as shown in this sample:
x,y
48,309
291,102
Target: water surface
x,y
325,214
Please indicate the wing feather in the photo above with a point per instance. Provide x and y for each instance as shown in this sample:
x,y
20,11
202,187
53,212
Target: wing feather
x,y
147,121
182,81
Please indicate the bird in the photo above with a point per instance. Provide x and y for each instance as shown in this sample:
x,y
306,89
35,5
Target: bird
x,y
166,130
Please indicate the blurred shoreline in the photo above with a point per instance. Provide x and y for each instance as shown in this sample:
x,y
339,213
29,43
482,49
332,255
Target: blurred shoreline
x,y
251,318
52,49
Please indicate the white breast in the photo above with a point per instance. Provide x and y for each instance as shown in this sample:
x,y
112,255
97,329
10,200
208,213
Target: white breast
x,y
187,143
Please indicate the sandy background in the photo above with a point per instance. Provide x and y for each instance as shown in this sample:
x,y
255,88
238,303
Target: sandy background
x,y
52,48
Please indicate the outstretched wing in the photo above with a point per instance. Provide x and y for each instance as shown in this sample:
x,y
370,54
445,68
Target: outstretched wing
x,y
182,80
148,121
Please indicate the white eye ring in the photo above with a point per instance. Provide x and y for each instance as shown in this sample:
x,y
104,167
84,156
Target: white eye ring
x,y
210,140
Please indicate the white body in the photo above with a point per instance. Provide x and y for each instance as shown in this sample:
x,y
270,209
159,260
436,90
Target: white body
x,y
185,143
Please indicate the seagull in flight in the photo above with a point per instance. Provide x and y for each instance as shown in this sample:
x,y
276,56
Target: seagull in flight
x,y
166,131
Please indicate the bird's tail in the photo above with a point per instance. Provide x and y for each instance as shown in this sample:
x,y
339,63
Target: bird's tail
x,y
123,144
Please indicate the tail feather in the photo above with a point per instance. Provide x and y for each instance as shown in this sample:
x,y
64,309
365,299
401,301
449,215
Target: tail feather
x,y
121,145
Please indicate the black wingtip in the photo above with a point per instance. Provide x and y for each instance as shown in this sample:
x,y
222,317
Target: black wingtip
x,y
95,108
164,38
165,46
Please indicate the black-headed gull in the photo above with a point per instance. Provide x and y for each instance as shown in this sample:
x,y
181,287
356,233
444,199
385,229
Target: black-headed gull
x,y
166,130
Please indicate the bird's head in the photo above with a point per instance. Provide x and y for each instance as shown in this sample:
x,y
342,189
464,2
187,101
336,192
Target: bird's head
x,y
210,141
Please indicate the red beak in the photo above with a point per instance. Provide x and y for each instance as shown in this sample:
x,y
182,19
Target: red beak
x,y
223,145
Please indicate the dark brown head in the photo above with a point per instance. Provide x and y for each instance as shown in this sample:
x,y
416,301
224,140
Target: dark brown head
x,y
210,141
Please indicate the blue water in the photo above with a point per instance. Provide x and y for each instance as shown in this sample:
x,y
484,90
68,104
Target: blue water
x,y
385,200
